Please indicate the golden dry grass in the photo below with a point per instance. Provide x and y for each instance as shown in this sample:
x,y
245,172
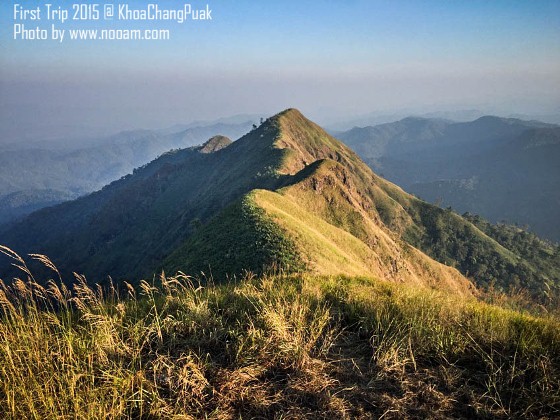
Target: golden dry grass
x,y
270,347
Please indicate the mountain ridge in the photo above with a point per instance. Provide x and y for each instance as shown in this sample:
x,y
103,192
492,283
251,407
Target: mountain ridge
x,y
215,212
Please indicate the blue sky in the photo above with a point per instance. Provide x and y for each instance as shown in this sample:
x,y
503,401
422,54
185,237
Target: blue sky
x,y
330,58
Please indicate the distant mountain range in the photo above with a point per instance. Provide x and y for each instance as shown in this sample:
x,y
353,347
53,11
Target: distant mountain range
x,y
286,195
241,119
503,169
465,115
34,178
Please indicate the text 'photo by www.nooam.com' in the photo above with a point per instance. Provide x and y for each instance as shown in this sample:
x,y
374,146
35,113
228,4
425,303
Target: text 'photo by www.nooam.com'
x,y
103,21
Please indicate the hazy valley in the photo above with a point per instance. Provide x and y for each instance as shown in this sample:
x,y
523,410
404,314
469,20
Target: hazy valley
x,y
502,169
41,174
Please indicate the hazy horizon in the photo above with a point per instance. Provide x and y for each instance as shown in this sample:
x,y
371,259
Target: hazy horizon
x,y
332,61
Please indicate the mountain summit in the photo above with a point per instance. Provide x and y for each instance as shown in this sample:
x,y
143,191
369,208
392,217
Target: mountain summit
x,y
214,144
287,194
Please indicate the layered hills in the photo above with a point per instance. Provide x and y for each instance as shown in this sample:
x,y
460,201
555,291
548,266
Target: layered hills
x,y
286,195
50,173
503,169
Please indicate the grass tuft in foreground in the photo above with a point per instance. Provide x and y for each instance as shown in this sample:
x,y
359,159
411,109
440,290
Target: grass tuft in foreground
x,y
273,346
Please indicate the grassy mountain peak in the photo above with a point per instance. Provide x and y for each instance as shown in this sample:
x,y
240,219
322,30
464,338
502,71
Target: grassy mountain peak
x,y
214,144
286,195
337,216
